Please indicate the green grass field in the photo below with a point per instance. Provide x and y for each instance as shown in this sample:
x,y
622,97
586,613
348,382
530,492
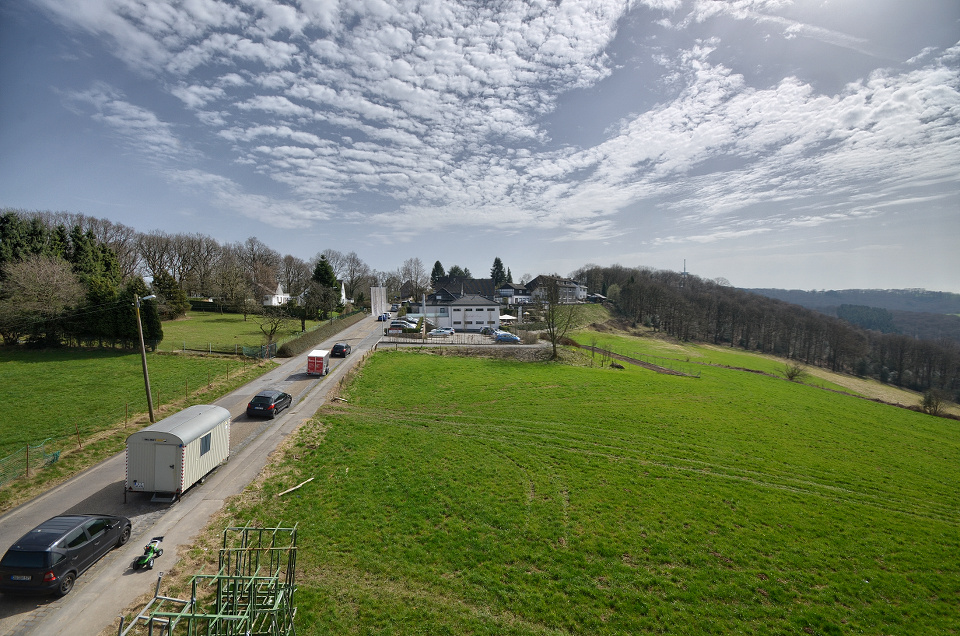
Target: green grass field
x,y
456,495
198,329
85,404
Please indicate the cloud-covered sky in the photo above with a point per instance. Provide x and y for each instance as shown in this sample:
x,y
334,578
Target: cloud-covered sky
x,y
811,144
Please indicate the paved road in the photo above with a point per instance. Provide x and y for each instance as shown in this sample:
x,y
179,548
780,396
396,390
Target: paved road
x,y
111,585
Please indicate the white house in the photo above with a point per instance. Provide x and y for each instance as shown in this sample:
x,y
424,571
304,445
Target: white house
x,y
277,298
466,313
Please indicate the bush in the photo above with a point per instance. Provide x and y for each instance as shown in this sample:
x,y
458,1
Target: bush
x,y
794,371
311,339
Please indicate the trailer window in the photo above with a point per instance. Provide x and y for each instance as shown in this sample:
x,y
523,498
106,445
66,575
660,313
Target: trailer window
x,y
205,444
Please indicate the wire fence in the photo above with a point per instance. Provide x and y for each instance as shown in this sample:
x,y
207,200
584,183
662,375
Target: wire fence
x,y
29,458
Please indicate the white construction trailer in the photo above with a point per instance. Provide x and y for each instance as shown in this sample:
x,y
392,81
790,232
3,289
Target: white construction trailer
x,y
168,457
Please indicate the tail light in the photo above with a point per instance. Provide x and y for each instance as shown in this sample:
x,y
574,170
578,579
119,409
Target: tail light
x,y
271,407
49,577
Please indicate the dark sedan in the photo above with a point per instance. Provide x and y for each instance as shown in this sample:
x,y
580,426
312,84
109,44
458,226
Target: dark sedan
x,y
269,403
341,350
50,557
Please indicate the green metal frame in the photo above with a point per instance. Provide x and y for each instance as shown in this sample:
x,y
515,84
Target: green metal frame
x,y
252,592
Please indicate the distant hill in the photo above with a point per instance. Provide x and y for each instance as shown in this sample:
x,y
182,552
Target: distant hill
x,y
918,300
916,313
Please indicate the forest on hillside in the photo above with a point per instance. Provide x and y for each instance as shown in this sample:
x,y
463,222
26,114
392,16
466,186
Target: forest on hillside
x,y
694,309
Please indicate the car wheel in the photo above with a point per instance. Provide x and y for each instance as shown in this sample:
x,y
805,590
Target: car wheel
x,y
124,536
66,583
150,564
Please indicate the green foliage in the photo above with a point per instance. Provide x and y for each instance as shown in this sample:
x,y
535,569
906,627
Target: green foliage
x,y
616,503
173,300
459,272
436,274
497,273
323,273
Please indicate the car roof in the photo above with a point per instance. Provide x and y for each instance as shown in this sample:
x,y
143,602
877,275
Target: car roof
x,y
52,530
269,393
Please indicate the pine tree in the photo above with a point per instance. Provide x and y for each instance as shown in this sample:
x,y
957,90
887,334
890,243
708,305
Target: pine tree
x,y
497,273
436,274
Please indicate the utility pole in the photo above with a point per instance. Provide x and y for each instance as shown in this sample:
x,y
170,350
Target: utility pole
x,y
143,354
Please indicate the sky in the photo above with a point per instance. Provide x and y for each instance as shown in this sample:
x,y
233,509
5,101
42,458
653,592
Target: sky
x,y
812,144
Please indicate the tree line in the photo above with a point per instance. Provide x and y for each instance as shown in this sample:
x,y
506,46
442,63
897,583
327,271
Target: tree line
x,y
72,278
694,309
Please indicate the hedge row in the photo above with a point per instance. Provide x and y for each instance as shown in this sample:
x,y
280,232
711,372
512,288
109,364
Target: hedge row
x,y
311,339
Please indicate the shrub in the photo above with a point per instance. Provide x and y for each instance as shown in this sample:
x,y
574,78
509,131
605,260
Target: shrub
x,y
311,339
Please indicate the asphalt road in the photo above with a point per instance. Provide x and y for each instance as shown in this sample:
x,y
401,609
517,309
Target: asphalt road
x,y
105,590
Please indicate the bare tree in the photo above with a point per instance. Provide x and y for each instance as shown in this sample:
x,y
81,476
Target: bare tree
x,y
205,254
271,320
232,284
337,260
260,263
355,274
558,318
418,276
36,288
155,252
294,274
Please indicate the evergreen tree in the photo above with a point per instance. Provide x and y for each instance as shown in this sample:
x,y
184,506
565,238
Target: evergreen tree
x,y
497,273
323,273
509,276
173,299
436,274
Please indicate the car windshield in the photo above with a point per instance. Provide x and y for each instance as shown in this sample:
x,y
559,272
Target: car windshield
x,y
19,559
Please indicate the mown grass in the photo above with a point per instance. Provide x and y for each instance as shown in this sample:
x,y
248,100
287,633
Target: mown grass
x,y
456,495
199,329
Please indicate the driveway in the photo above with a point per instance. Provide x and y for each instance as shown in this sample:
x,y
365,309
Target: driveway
x,y
104,591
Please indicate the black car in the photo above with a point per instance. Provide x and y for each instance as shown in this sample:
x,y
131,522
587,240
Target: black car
x,y
50,557
269,403
341,350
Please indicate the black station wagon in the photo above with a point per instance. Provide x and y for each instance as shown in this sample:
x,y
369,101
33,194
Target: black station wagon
x,y
269,403
50,557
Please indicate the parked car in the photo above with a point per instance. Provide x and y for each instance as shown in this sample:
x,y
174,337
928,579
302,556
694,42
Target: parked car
x,y
488,331
269,403
385,316
341,350
402,324
441,332
394,307
506,336
50,557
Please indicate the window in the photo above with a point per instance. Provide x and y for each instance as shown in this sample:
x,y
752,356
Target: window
x,y
95,527
457,309
205,444
443,311
75,539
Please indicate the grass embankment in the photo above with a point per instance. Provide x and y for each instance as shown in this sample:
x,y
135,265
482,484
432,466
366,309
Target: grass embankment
x,y
456,495
690,358
89,401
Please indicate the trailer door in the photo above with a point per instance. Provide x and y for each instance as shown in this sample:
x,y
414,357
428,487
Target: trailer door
x,y
165,470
